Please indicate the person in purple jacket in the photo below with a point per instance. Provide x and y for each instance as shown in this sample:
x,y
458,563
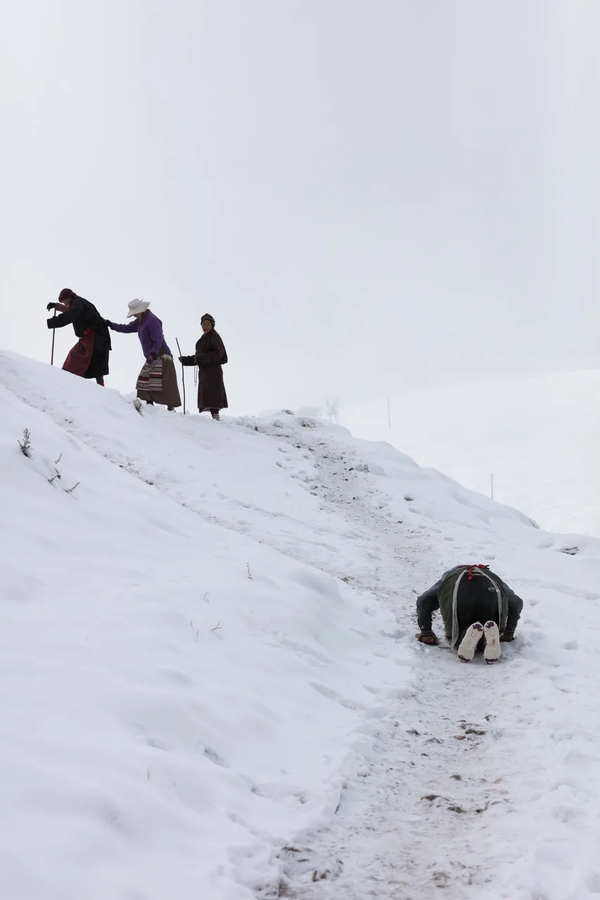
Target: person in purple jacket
x,y
157,381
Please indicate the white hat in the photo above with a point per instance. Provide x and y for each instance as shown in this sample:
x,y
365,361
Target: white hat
x,y
135,307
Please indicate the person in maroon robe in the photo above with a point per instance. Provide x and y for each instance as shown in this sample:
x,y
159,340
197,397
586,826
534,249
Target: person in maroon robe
x,y
89,357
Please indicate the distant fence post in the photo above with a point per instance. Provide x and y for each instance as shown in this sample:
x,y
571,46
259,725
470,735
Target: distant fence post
x,y
333,410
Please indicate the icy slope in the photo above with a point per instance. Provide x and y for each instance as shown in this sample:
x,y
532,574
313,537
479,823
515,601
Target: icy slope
x,y
208,652
539,436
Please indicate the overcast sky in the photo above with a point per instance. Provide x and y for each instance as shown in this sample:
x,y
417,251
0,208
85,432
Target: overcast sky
x,y
366,194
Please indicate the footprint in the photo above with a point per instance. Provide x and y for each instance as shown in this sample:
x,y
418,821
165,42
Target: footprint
x,y
332,695
143,737
214,757
567,815
593,883
175,676
154,742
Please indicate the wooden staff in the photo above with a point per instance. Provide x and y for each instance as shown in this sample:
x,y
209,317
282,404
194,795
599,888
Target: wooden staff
x,y
53,336
182,374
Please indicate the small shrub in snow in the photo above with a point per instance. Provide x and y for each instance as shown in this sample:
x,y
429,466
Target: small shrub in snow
x,y
25,448
57,474
25,444
58,477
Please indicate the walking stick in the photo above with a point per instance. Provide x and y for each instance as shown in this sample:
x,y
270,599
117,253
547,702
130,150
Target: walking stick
x,y
182,375
53,336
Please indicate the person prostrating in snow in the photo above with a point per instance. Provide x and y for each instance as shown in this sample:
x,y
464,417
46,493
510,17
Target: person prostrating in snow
x,y
479,611
157,381
89,357
210,357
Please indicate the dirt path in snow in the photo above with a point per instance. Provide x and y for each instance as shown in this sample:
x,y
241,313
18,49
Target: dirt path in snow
x,y
413,822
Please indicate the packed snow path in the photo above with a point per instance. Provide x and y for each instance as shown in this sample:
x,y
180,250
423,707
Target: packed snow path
x,y
234,706
421,786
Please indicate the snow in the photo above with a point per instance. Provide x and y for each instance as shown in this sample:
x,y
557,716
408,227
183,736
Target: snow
x,y
211,684
538,435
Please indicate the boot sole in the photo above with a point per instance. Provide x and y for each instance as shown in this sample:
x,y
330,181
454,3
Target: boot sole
x,y
492,650
468,645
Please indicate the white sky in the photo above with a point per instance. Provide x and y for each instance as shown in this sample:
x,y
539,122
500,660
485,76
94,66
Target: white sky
x,y
364,193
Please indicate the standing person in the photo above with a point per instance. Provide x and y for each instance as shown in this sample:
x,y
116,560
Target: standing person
x,y
89,357
210,357
469,596
157,381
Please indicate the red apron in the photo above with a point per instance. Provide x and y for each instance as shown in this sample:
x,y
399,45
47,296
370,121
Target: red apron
x,y
80,356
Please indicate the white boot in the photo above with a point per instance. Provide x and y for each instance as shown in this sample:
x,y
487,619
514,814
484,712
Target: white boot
x,y
468,645
491,654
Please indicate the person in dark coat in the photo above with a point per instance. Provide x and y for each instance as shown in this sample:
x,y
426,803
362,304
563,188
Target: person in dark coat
x,y
89,357
479,611
210,357
157,381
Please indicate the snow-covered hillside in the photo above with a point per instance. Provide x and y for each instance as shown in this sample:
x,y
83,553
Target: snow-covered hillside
x,y
539,435
211,686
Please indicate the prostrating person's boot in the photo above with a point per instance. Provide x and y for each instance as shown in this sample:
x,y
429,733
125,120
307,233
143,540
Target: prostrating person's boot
x,y
468,645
